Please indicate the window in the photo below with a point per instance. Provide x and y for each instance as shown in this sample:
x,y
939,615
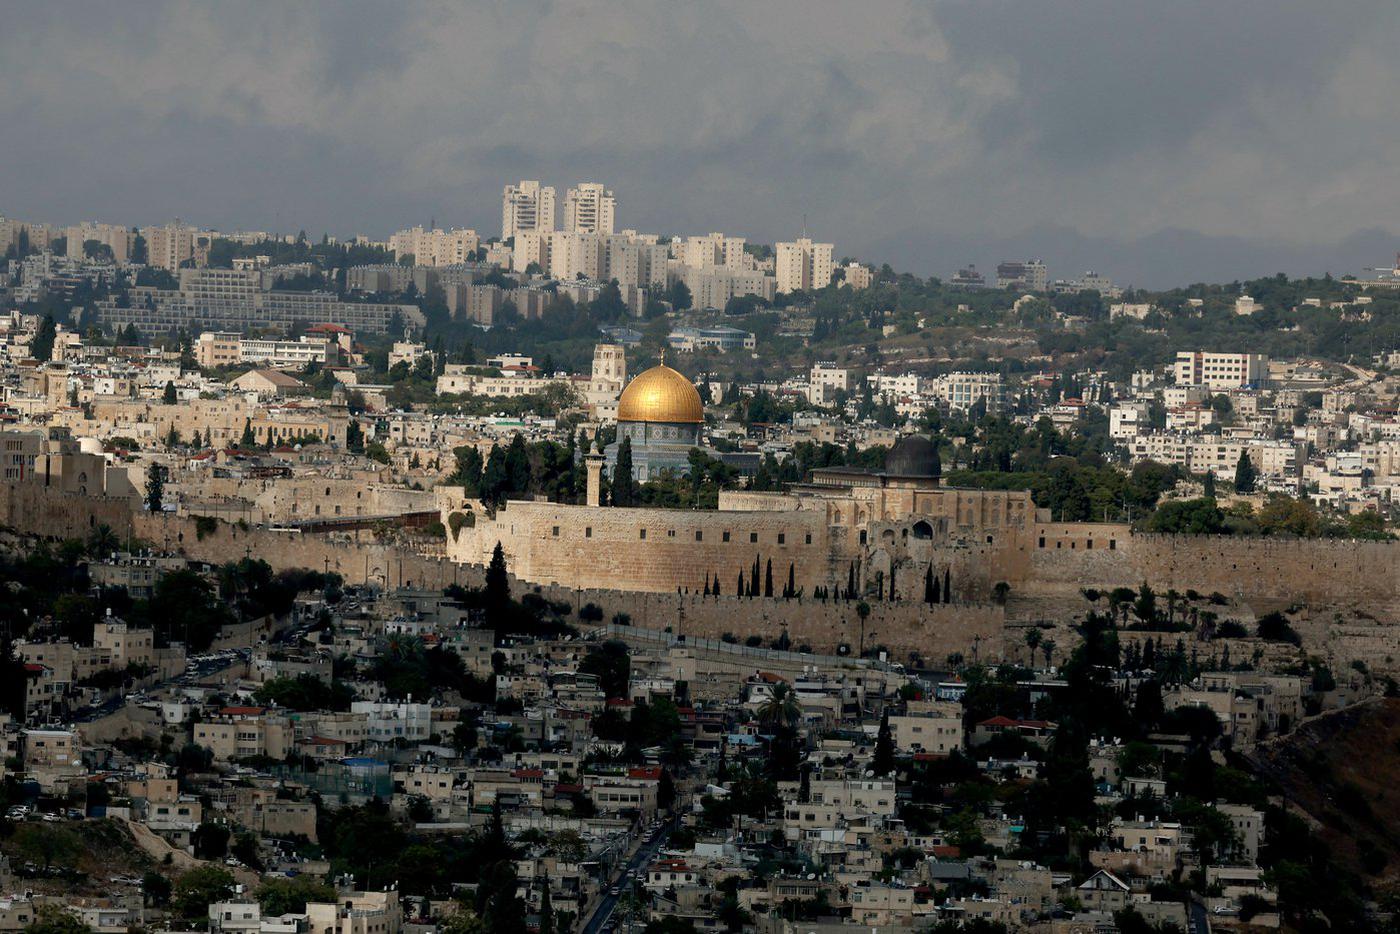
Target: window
x,y
699,535
1112,545
753,537
588,532
556,531
809,538
782,538
725,537
670,533
643,534
1042,541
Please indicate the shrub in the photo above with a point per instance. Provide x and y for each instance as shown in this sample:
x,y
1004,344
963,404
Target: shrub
x,y
1273,627
591,612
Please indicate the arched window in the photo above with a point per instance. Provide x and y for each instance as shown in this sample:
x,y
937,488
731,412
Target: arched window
x,y
922,530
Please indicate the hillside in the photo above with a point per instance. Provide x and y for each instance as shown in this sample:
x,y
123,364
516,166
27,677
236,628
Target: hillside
x,y
1340,769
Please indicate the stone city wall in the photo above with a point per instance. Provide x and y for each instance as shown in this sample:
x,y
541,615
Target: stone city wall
x,y
934,632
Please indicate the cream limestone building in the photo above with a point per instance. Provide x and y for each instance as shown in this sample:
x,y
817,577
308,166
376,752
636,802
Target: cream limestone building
x,y
802,266
113,236
435,247
589,208
525,207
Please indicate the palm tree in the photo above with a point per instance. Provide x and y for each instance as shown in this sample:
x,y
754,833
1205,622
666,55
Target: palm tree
x,y
103,540
782,708
1032,640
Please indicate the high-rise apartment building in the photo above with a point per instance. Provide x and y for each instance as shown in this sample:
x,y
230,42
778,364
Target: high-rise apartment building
x,y
714,250
802,266
635,260
574,255
169,246
527,206
589,209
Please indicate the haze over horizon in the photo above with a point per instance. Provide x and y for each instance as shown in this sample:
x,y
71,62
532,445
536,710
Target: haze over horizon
x,y
1158,144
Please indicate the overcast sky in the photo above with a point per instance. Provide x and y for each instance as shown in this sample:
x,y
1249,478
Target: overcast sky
x,y
1160,142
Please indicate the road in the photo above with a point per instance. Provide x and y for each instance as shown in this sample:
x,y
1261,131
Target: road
x,y
644,855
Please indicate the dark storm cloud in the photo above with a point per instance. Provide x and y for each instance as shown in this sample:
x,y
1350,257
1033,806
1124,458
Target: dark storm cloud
x,y
1156,141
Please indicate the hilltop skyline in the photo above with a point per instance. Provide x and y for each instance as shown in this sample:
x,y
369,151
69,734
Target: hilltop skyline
x,y
1161,147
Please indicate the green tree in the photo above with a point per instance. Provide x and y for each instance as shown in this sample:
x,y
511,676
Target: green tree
x,y
680,297
156,888
623,485
168,397
882,763
497,579
42,346
53,919
210,841
198,888
289,896
1245,474
155,487
246,440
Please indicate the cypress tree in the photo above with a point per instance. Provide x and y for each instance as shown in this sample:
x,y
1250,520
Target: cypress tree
x,y
714,588
546,910
892,596
928,585
739,589
937,592
155,487
948,585
497,580
851,582
791,584
707,583
882,763
768,579
622,484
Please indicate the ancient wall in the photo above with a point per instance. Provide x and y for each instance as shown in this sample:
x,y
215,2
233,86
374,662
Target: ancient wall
x,y
1045,569
903,627
1247,569
657,550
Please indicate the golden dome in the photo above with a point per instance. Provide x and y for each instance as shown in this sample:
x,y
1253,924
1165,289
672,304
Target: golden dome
x,y
661,395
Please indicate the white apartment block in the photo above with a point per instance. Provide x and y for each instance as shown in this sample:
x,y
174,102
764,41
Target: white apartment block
x,y
715,286
1220,371
1127,420
114,236
635,260
589,209
526,206
435,247
1219,456
386,722
802,266
857,276
961,391
573,255
712,250
531,247
905,384
169,246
